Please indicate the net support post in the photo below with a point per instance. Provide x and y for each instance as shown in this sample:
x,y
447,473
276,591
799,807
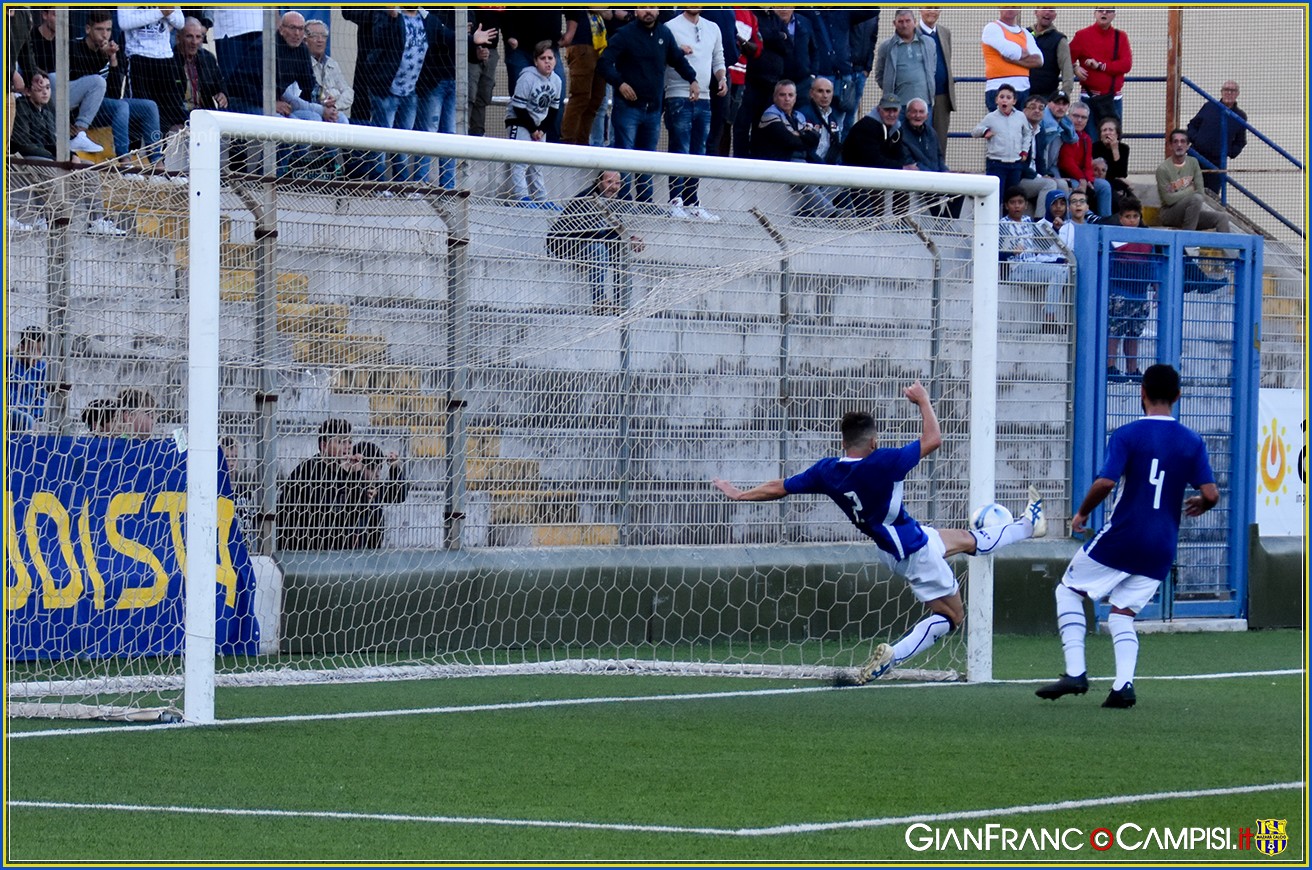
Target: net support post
x,y
983,428
202,422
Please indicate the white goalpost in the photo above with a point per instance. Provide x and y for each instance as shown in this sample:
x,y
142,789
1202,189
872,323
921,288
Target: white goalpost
x,y
558,517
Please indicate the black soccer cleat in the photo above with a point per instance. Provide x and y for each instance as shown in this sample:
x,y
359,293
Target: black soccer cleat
x,y
1122,698
1065,685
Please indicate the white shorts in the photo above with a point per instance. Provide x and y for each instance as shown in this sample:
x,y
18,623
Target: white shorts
x,y
926,571
1126,591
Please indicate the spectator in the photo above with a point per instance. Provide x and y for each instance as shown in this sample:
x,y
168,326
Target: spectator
x,y
1101,56
1217,134
1077,210
1009,136
483,59
1075,161
28,388
585,40
1010,52
907,61
100,416
1116,154
1055,218
1180,186
787,49
1027,257
523,28
862,42
1130,287
920,141
634,63
838,31
97,55
785,135
20,33
876,141
317,504
401,39
747,39
436,92
588,236
239,47
380,481
1056,73
329,80
297,93
819,111
1055,130
86,94
945,83
203,86
148,46
530,110
1035,184
688,120
134,415
33,134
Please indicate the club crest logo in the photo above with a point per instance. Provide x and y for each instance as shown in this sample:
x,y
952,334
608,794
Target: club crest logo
x,y
1272,836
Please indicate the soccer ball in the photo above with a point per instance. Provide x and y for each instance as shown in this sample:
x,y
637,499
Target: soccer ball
x,y
990,515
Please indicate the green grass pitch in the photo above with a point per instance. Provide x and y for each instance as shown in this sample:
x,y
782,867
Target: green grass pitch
x,y
738,774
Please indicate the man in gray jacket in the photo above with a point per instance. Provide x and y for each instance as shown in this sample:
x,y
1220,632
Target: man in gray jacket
x,y
907,61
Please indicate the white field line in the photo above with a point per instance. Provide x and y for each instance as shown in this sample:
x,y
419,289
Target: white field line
x,y
582,702
773,831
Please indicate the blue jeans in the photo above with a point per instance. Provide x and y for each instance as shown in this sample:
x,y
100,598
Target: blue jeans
x,y
855,83
1102,188
394,113
689,123
991,100
637,128
437,114
596,259
601,132
520,59
129,117
1007,174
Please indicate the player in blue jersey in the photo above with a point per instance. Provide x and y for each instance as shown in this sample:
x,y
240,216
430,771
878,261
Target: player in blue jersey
x,y
866,482
1154,458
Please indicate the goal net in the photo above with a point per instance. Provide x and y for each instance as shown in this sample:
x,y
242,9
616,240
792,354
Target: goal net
x,y
395,430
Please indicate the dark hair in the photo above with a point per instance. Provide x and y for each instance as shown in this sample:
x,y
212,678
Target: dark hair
x,y
1006,87
38,74
331,428
369,452
1129,203
1183,132
32,333
99,16
1014,191
856,426
1115,120
1161,383
99,414
541,48
133,399
1034,98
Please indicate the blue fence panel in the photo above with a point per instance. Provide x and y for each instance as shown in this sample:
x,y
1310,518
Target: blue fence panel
x,y
1192,300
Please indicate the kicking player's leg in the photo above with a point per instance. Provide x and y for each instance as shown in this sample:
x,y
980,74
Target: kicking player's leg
x,y
1031,523
932,582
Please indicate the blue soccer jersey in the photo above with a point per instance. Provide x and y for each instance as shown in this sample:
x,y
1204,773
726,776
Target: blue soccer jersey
x,y
869,491
1155,459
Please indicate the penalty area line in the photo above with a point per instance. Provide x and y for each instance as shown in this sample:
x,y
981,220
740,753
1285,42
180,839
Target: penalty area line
x,y
772,831
578,702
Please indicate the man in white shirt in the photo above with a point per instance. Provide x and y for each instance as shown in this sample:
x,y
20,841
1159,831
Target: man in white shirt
x,y
688,120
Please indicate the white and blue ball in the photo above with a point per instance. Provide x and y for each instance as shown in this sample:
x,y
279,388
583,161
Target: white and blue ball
x,y
990,515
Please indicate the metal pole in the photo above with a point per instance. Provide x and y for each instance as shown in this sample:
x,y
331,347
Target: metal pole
x,y
1174,30
62,129
935,352
459,337
785,351
269,44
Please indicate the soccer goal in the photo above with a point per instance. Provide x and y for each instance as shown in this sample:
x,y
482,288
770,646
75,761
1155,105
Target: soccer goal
x,y
522,383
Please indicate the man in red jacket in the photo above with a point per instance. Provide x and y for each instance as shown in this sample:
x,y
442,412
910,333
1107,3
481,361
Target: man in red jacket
x,y
1101,56
1075,160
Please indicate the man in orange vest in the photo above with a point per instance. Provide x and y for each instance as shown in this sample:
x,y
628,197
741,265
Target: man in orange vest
x,y
1010,52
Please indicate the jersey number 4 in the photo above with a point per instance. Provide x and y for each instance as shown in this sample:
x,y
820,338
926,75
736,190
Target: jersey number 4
x,y
1156,478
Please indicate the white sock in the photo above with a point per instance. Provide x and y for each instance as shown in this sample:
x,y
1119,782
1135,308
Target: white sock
x,y
1072,627
921,637
1125,645
996,537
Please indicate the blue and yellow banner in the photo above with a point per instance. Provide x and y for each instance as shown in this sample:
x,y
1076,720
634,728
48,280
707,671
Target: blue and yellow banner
x,y
95,549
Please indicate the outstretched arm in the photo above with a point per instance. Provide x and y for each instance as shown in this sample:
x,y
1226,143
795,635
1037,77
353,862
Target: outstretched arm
x,y
931,437
768,491
1101,488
